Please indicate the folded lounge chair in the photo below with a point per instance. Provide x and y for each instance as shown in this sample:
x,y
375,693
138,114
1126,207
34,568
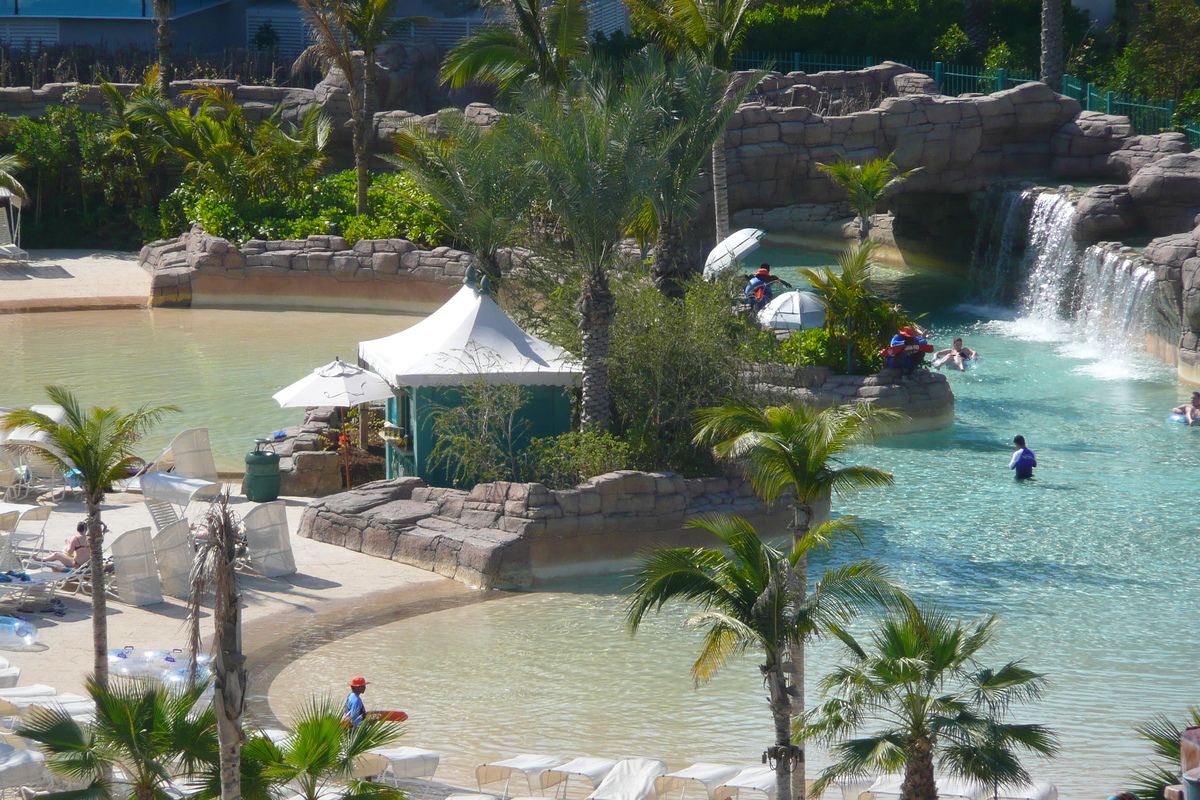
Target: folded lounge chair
x,y
174,553
268,541
135,571
189,455
631,779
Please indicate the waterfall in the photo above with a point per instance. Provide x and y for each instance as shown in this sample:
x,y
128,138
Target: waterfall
x,y
1049,259
998,244
1116,294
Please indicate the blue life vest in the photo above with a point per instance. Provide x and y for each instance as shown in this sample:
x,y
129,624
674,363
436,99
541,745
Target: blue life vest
x,y
758,292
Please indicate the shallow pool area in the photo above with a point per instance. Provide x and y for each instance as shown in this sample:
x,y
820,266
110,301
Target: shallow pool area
x,y
219,366
1091,567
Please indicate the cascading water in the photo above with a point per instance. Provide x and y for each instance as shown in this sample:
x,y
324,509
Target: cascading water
x,y
1097,302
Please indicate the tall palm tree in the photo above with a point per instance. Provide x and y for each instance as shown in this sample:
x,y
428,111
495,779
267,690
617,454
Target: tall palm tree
x,y
795,448
917,683
320,759
471,177
144,731
537,42
712,31
1052,44
590,157
748,601
214,566
339,29
866,185
698,102
163,9
97,443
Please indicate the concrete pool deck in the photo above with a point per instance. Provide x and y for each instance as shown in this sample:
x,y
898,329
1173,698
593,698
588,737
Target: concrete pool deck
x,y
58,280
332,588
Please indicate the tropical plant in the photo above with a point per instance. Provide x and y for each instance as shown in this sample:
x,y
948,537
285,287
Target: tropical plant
x,y
567,460
866,186
478,437
795,448
215,567
918,685
537,42
711,30
1052,54
144,731
163,9
857,321
470,177
749,600
339,28
10,164
321,757
97,445
1163,734
589,154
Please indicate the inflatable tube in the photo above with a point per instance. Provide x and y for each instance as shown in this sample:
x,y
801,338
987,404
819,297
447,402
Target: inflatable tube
x,y
16,632
387,716
910,347
161,665
1177,418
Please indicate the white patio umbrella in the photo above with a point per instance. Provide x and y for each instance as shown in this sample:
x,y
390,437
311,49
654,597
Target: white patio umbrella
x,y
335,384
793,311
731,248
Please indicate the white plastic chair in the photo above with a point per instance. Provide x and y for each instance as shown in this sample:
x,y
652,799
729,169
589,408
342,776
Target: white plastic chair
x,y
135,570
268,541
174,552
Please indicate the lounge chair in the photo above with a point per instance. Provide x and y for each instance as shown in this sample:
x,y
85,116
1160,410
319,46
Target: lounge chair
x,y
710,776
8,248
9,675
527,764
268,541
19,544
631,779
174,553
168,496
407,762
29,446
189,455
135,571
759,779
887,787
20,766
593,770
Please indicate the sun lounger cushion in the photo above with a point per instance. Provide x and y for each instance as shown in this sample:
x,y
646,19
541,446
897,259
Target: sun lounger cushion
x,y
630,779
33,690
20,767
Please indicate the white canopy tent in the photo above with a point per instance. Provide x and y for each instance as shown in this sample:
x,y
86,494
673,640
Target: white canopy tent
x,y
468,336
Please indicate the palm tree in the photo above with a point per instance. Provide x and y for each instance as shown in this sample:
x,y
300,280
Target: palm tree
x,y
590,157
919,685
163,9
10,164
712,31
214,565
795,448
538,42
748,601
856,319
1052,44
144,731
470,177
320,759
698,102
1164,735
339,29
866,185
97,444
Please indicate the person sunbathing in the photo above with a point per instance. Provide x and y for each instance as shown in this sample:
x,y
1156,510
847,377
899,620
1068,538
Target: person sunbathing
x,y
958,354
77,553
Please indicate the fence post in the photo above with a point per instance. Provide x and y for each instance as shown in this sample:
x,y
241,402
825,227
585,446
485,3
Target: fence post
x,y
939,74
869,61
1087,96
1001,79
1170,114
795,62
1108,102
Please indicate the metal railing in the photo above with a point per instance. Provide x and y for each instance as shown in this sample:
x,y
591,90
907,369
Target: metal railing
x,y
1146,114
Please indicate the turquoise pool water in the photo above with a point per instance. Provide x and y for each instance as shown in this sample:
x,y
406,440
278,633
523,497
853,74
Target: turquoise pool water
x,y
1090,567
219,366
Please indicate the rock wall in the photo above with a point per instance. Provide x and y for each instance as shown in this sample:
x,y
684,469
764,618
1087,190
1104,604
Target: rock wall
x,y
513,535
1177,261
320,272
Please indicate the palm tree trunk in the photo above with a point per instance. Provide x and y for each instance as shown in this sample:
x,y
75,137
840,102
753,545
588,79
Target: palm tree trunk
x,y
596,309
720,180
358,125
99,605
919,783
1052,44
162,16
230,674
670,261
864,227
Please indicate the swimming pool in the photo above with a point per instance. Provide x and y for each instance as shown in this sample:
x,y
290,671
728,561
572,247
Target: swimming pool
x,y
219,366
1090,567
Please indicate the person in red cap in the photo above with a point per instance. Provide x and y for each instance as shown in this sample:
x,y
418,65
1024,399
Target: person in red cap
x,y
356,712
907,350
759,289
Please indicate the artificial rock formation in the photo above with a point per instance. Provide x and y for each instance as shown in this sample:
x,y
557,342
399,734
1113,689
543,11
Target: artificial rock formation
x,y
512,535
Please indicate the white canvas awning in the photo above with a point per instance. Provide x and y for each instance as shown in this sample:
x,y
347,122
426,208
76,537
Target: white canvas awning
x,y
468,336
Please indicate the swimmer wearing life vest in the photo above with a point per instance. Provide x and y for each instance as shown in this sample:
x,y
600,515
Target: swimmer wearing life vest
x,y
1023,460
907,350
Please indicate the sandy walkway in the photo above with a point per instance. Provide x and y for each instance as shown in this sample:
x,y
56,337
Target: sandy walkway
x,y
333,587
54,280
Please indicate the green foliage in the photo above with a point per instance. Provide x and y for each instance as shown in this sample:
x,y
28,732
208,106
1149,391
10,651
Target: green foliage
x,y
952,45
1162,58
999,56
1163,734
813,348
867,184
266,37
1187,113
325,206
565,461
478,437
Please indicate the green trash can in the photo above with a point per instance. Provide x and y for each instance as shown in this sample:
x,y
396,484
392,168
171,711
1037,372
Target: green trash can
x,y
261,484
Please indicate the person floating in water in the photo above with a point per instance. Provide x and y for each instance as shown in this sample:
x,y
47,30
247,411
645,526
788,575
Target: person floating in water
x,y
956,354
356,712
907,350
1189,411
1023,460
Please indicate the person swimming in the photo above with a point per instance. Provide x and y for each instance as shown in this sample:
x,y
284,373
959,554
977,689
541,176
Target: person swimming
x,y
1189,411
957,353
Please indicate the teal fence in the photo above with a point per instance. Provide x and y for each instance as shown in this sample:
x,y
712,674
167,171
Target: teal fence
x,y
1147,114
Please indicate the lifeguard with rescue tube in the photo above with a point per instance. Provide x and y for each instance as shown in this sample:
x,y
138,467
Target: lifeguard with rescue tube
x,y
356,713
907,350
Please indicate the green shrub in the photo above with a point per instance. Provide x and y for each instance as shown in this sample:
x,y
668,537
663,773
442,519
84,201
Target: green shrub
x,y
952,45
563,462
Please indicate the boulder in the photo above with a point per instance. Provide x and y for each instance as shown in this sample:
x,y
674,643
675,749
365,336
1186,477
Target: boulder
x,y
914,83
1104,212
1167,193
